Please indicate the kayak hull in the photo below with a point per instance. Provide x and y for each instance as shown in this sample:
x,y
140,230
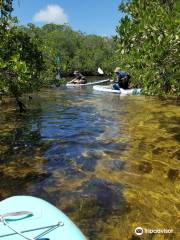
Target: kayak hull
x,y
122,92
87,84
46,221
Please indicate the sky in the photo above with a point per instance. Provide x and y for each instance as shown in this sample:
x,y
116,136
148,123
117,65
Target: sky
x,y
88,16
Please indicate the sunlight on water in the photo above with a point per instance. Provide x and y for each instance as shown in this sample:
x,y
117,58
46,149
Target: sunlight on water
x,y
110,163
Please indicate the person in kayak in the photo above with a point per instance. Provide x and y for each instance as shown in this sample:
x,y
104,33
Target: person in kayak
x,y
122,80
79,78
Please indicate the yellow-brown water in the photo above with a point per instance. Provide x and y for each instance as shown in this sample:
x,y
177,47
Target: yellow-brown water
x,y
110,163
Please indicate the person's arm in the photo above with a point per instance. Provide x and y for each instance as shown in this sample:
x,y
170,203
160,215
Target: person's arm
x,y
116,78
124,75
73,80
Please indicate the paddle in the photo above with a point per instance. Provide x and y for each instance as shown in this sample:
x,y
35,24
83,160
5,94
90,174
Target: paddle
x,y
100,71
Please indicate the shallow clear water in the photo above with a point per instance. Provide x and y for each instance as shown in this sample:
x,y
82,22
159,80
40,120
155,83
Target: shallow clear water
x,y
110,163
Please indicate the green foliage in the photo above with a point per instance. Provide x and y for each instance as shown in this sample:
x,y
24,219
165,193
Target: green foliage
x,y
6,7
20,60
76,51
148,45
28,55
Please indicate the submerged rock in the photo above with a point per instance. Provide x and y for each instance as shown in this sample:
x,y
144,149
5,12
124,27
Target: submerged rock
x,y
67,157
134,238
115,165
145,167
88,162
37,177
94,201
176,154
18,184
106,196
1,174
173,174
157,150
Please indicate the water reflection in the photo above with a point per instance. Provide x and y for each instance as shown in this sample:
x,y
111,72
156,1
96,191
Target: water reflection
x,y
111,163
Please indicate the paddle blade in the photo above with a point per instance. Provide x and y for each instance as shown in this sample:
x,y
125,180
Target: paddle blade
x,y
100,71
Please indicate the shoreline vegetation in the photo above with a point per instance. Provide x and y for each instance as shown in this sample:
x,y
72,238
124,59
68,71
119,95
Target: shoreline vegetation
x,y
146,46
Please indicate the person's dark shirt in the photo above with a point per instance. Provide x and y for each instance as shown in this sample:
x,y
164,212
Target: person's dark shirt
x,y
123,79
122,74
79,76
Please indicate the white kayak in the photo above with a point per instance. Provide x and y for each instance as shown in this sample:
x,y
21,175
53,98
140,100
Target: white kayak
x,y
88,84
25,217
123,92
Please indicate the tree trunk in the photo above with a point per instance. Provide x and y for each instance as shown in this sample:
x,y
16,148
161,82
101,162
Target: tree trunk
x,y
21,105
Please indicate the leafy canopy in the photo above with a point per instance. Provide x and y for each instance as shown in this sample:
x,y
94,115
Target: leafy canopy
x,y
148,44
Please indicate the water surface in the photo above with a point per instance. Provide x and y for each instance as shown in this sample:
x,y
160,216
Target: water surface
x,y
111,163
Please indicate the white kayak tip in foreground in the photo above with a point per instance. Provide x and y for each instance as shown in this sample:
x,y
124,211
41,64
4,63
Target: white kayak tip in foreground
x,y
26,217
